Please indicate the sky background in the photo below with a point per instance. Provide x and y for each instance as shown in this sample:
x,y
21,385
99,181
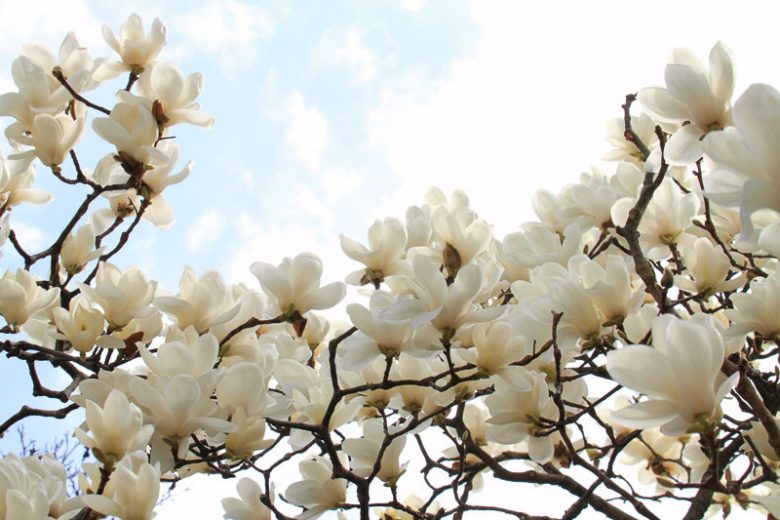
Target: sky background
x,y
332,114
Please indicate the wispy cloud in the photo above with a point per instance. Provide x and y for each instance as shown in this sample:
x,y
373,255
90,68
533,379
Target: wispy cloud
x,y
344,47
227,30
205,230
307,131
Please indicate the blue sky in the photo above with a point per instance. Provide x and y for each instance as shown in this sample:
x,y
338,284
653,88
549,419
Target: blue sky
x,y
331,114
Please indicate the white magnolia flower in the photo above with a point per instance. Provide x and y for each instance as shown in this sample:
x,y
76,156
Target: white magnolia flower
x,y
78,249
178,406
757,310
364,452
515,410
51,137
134,493
16,178
83,327
668,215
203,302
708,268
295,284
377,335
680,374
625,150
248,505
20,297
39,93
122,296
172,96
27,494
462,239
318,491
176,357
115,429
748,157
136,49
73,60
384,254
692,94
131,128
495,348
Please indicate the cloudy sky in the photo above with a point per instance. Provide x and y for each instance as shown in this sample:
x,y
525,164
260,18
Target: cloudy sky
x,y
332,114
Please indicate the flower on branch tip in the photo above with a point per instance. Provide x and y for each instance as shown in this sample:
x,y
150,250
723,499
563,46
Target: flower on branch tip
x,y
318,491
135,48
295,285
693,94
115,429
680,375
51,137
21,297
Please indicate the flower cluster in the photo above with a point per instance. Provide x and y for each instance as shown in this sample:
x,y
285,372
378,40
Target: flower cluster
x,y
636,323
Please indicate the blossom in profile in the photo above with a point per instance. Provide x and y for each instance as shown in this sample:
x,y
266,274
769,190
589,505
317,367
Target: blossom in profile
x,y
51,138
748,159
136,49
248,506
364,452
78,249
694,94
318,491
133,492
384,254
680,375
295,284
20,297
171,96
115,429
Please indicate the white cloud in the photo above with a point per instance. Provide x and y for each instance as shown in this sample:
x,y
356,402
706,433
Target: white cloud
x,y
307,132
205,230
341,182
226,29
30,237
271,242
525,108
412,5
46,22
345,47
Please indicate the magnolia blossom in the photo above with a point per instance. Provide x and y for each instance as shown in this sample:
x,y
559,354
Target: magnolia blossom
x,y
131,128
134,493
384,254
136,49
16,178
365,451
666,218
115,429
295,284
317,492
52,137
695,95
202,302
83,327
709,268
78,249
757,310
495,348
748,158
515,411
172,96
20,297
122,296
248,506
39,93
680,374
